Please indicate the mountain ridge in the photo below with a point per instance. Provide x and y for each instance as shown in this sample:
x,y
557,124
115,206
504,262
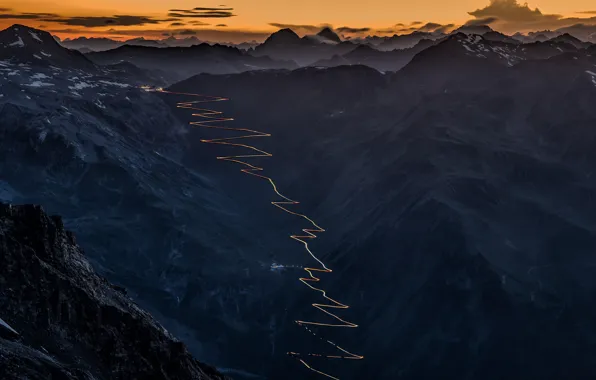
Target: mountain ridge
x,y
108,334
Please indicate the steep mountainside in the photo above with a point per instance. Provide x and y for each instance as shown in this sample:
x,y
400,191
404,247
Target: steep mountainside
x,y
69,322
106,154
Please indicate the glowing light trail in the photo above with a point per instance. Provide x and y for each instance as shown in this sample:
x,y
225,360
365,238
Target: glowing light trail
x,y
208,117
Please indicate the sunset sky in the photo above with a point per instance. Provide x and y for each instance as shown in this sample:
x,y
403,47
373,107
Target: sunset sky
x,y
238,20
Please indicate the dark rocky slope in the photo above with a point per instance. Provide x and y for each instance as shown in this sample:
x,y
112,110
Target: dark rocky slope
x,y
72,323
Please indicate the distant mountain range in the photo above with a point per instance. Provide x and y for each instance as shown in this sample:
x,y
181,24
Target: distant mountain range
x,y
158,62
182,62
285,49
94,44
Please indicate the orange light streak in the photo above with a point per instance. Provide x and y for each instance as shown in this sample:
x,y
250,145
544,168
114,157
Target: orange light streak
x,y
209,116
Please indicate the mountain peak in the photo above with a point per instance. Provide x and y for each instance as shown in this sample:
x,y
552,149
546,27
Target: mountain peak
x,y
329,34
569,39
19,35
473,29
23,44
283,37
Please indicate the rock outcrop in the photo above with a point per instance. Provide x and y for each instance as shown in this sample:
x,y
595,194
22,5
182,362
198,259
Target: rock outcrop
x,y
63,321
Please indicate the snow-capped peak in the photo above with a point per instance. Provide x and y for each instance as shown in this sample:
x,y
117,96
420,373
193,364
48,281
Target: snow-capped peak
x,y
20,43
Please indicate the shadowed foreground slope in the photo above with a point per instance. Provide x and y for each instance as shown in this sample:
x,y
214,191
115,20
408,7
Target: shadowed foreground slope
x,y
73,324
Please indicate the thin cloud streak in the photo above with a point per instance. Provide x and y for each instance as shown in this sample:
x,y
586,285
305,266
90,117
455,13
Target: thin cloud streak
x,y
202,12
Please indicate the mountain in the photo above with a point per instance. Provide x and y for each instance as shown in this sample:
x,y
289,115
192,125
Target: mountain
x,y
141,41
566,38
21,44
402,41
181,42
67,321
456,196
88,45
186,61
542,36
109,156
136,75
584,32
327,34
499,37
285,44
336,60
369,56
246,45
283,37
473,29
463,52
84,44
471,200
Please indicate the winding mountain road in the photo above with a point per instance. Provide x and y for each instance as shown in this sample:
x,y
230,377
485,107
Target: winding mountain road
x,y
211,119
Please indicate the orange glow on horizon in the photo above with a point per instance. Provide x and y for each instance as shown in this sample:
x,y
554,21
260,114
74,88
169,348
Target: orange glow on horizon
x,y
252,18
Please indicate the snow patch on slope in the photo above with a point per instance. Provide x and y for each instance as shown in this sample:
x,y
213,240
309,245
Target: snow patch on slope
x,y
35,36
593,75
18,43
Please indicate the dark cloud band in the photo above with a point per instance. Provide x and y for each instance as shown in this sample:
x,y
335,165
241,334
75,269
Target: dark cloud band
x,y
347,29
118,20
202,12
482,21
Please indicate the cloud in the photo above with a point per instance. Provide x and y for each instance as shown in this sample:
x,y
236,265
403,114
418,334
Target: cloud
x,y
5,9
177,24
221,25
513,17
187,32
429,27
26,16
202,12
511,10
444,28
347,29
587,12
117,20
214,9
86,21
482,21
197,22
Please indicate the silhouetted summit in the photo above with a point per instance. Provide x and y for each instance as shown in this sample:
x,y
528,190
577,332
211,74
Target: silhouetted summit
x,y
473,29
329,35
283,37
36,47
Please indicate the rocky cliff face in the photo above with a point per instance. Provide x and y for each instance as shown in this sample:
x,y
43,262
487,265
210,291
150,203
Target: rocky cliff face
x,y
72,323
